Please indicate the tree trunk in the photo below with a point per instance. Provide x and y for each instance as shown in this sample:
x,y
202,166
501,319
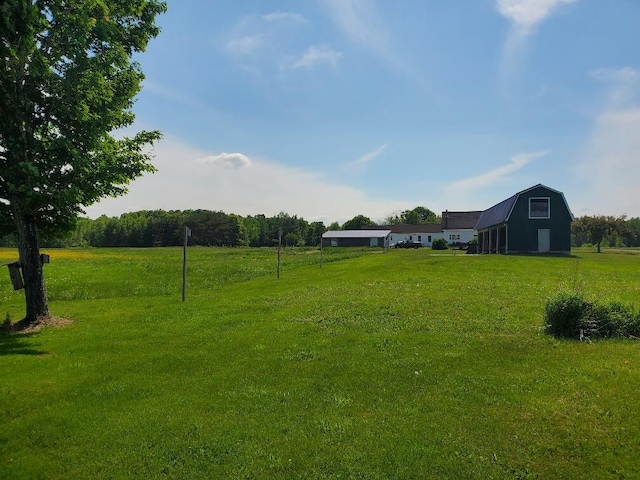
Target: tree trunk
x,y
35,292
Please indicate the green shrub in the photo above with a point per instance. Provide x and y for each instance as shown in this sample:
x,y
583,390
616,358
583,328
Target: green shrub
x,y
563,313
568,315
439,244
603,320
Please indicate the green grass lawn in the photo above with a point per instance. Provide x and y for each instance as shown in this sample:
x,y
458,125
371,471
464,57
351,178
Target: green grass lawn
x,y
397,365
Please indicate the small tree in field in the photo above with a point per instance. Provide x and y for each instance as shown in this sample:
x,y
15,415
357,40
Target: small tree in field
x,y
67,83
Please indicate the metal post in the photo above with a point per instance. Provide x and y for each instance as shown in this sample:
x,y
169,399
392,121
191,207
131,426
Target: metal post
x,y
279,247
320,251
187,234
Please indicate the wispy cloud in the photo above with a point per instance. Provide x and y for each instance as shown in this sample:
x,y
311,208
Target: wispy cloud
x,y
359,164
317,54
499,174
610,168
361,22
268,45
524,16
284,17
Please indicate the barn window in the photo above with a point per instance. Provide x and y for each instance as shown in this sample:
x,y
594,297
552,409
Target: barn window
x,y
538,208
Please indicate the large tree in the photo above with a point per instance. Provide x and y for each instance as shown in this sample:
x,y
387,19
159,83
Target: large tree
x,y
68,83
357,223
417,216
598,227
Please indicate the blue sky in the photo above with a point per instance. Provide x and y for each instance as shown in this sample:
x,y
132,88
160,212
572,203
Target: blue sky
x,y
327,109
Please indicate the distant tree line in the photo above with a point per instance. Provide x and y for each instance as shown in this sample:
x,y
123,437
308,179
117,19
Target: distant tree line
x,y
606,230
160,228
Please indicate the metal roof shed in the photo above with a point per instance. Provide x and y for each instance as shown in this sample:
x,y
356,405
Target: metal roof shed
x,y
356,238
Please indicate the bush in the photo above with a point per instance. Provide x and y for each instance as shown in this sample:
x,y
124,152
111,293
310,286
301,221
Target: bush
x,y
563,313
568,315
439,244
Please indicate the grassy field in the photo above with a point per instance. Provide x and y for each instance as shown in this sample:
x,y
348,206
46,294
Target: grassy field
x,y
375,366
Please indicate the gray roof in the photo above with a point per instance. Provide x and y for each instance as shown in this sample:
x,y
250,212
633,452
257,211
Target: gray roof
x,y
460,220
356,234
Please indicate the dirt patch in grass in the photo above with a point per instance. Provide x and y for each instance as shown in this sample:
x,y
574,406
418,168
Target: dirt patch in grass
x,y
30,327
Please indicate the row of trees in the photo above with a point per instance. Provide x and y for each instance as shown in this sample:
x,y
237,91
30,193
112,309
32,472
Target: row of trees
x,y
606,230
160,228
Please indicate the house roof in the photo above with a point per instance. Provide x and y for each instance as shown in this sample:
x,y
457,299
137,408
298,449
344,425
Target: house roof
x,y
500,212
413,229
356,234
460,220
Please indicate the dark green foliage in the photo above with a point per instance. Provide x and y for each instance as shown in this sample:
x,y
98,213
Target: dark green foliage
x,y
439,244
613,319
160,228
357,223
568,315
69,80
417,216
603,229
563,313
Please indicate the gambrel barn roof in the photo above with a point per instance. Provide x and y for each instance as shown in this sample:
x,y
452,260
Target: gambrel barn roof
x,y
501,212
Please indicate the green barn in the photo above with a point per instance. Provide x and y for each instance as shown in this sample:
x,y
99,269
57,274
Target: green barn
x,y
535,220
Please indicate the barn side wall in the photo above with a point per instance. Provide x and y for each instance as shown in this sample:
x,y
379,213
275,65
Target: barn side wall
x,y
523,231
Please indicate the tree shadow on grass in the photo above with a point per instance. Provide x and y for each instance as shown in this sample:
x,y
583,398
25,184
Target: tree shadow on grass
x,y
18,344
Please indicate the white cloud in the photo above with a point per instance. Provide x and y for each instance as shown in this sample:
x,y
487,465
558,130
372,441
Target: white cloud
x,y
317,54
497,175
227,160
609,168
284,17
187,180
526,14
245,45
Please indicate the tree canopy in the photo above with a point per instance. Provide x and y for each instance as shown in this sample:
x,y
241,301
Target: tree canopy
x,y
68,84
417,216
595,229
358,222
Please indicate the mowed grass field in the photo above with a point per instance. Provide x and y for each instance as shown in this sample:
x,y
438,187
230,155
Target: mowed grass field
x,y
397,365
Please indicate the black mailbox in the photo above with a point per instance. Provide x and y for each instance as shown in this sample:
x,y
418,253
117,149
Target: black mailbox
x,y
16,275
